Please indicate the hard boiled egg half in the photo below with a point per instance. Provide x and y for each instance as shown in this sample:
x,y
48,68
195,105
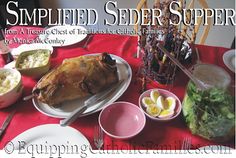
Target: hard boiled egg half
x,y
151,107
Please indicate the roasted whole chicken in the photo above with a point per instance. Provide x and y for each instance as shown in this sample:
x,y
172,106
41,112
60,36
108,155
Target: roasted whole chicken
x,y
76,78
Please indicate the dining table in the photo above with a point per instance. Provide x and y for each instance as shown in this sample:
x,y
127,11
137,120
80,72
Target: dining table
x,y
155,135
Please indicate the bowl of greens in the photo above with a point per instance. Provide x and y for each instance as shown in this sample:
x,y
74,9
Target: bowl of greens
x,y
210,113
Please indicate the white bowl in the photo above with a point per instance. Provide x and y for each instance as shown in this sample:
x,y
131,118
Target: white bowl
x,y
13,94
164,93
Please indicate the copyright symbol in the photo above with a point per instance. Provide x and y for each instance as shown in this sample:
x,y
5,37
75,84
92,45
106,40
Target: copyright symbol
x,y
9,147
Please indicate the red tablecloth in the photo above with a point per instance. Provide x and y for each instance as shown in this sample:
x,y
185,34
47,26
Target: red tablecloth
x,y
155,135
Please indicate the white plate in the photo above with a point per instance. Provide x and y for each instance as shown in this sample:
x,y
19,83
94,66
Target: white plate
x,y
229,59
66,108
28,47
48,135
67,35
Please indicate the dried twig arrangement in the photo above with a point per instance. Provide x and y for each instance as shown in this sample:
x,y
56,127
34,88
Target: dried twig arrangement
x,y
156,66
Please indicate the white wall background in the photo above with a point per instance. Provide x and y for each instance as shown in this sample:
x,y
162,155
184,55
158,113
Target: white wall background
x,y
218,35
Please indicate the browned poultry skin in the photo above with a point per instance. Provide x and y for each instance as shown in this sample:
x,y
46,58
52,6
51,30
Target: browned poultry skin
x,y
76,78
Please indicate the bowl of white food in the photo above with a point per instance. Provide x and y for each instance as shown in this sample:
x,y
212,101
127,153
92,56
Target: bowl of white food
x,y
10,87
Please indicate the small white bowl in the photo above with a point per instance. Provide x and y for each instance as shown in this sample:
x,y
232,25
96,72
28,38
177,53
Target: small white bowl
x,y
164,93
13,94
